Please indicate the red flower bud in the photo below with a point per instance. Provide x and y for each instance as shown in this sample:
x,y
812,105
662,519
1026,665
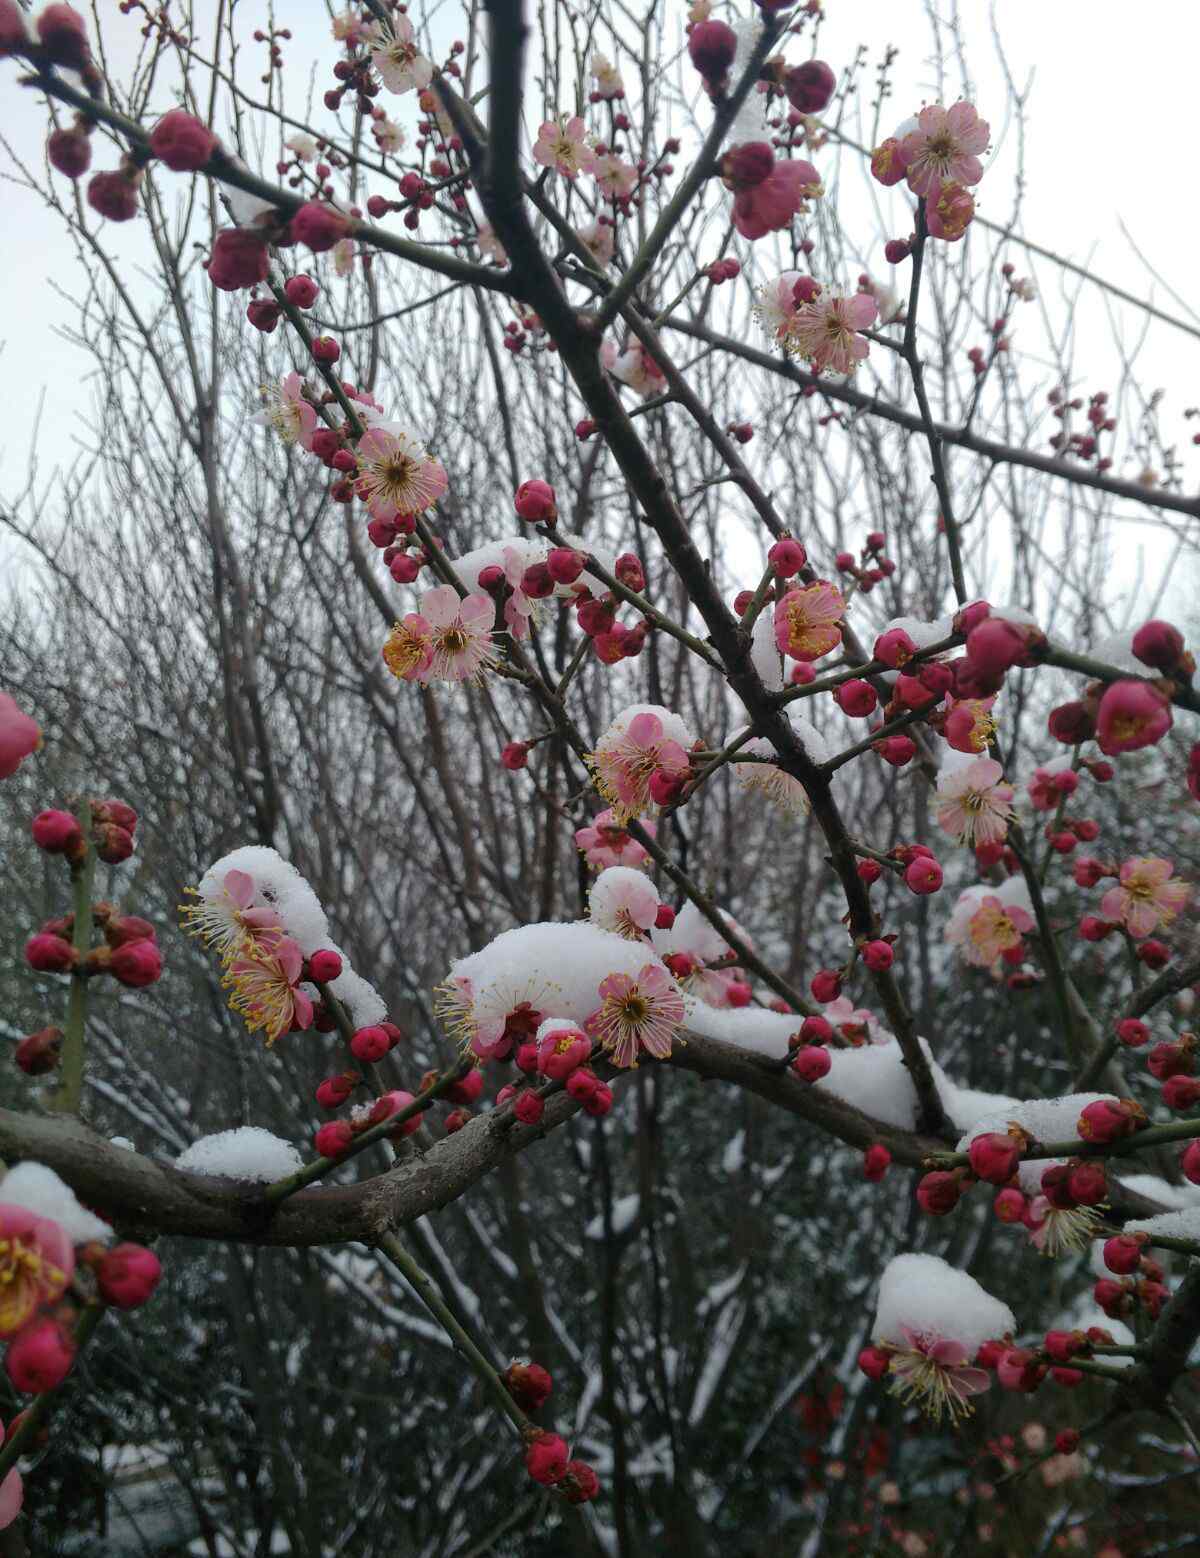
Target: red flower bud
x,y
856,698
40,1356
711,48
939,1192
39,1052
878,956
181,142
665,917
1010,1205
529,1384
534,502
874,1362
809,86
564,564
113,196
318,226
580,1483
894,648
1189,1162
994,1156
1181,1093
876,1162
70,151
811,1063
529,1107
786,558
1131,715
1088,1182
127,1275
263,314
63,34
49,954
546,1458
370,1044
514,756
1123,1253
56,832
1159,645
324,966
923,875
1109,1119
301,291
826,985
137,963
239,259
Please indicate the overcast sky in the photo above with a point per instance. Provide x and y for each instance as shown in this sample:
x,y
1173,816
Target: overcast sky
x,y
1109,130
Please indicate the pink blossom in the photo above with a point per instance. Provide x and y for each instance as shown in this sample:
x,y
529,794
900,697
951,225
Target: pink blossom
x,y
288,412
974,805
599,239
396,477
263,980
969,724
563,145
19,736
389,136
634,367
519,607
949,211
460,634
1145,897
769,780
991,930
637,1014
824,332
936,1374
394,53
608,77
1131,715
408,649
227,921
604,843
624,901
561,1051
627,756
348,27
806,621
771,205
489,245
37,1261
616,177
945,145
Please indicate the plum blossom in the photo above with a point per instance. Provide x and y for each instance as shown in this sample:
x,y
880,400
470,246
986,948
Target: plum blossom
x,y
806,621
396,477
608,77
288,412
772,204
604,843
489,245
265,990
348,27
769,780
408,649
935,1373
945,144
969,724
824,332
626,757
599,239
519,607
855,1023
343,256
1146,896
488,1023
394,53
616,177
227,919
1060,1230
986,925
563,145
949,211
12,1496
634,367
37,1260
974,805
460,634
635,1014
389,136
623,900
302,147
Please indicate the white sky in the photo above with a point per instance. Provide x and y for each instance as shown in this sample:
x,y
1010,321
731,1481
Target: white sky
x,y
1109,132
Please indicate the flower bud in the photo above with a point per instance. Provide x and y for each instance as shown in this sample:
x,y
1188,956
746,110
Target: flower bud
x,y
113,196
529,1107
49,954
1131,715
995,646
534,502
41,1354
826,985
529,1384
546,1458
923,875
514,756
70,151
1018,1369
127,1275
1010,1205
878,956
1087,1182
239,259
856,698
324,966
39,1052
136,964
874,1362
1108,1119
1154,953
62,32
301,291
56,832
1114,1298
263,314
580,1483
994,1156
370,1044
665,917
325,350
564,564
1123,1253
894,648
809,86
887,162
786,558
1181,1093
711,48
1189,1162
1159,645
318,226
939,1192
876,1162
811,1063
333,1092
182,142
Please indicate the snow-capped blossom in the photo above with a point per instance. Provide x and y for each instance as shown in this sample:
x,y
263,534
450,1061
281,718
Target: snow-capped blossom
x,y
286,410
634,367
986,927
343,256
460,634
806,621
396,477
855,1023
780,197
408,648
487,1023
825,331
264,985
616,177
1146,896
348,27
303,147
489,245
969,724
563,145
1059,1230
935,1374
974,805
608,77
769,780
227,920
623,900
599,239
394,53
626,756
36,1263
389,136
604,843
641,1012
945,144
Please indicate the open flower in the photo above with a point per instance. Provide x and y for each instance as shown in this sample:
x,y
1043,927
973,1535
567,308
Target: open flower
x,y
945,144
286,410
625,758
1146,896
265,993
599,239
825,331
394,53
608,77
605,843
389,136
519,607
935,1374
974,805
37,1260
769,780
396,477
228,920
987,927
563,145
1058,1230
408,649
634,367
774,202
625,901
460,634
806,621
969,724
616,177
636,1014
302,147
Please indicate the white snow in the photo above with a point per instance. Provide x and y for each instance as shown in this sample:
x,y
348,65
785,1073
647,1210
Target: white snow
x,y
624,1215
1184,1224
249,1152
122,1141
764,653
1046,1119
39,1190
734,1156
1174,1196
933,1298
692,933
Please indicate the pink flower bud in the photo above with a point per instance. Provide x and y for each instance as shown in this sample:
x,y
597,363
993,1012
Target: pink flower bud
x,y
856,698
1132,1032
324,966
666,788
63,34
786,558
56,832
318,226
70,151
1108,1119
894,648
333,1092
811,1063
994,1156
939,1192
529,1107
711,48
325,349
995,646
1153,953
113,196
301,291
869,871
664,917
878,956
529,1384
1181,1093
897,250
1123,1253
40,1356
263,314
534,502
238,260
1018,1369
546,1458
182,142
127,1275
874,1362
564,564
1189,1162
876,1162
514,756
949,211
826,985
1072,723
1159,645
896,750
1010,1205
370,1044
456,1119
923,875
887,162
747,166
333,1139
1114,1298
13,37
1091,928
39,1052
628,569
809,86
580,1483
137,964
49,954
1131,715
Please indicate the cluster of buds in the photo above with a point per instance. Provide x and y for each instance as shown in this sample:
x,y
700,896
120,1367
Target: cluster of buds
x,y
111,833
335,1138
547,1457
1142,1283
1080,445
561,1056
871,567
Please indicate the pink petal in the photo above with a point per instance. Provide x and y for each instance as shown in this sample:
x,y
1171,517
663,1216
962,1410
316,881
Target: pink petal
x,y
290,958
12,1496
645,729
239,887
477,609
440,605
973,1381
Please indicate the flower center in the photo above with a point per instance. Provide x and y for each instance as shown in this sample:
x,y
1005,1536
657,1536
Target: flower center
x,y
634,1010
